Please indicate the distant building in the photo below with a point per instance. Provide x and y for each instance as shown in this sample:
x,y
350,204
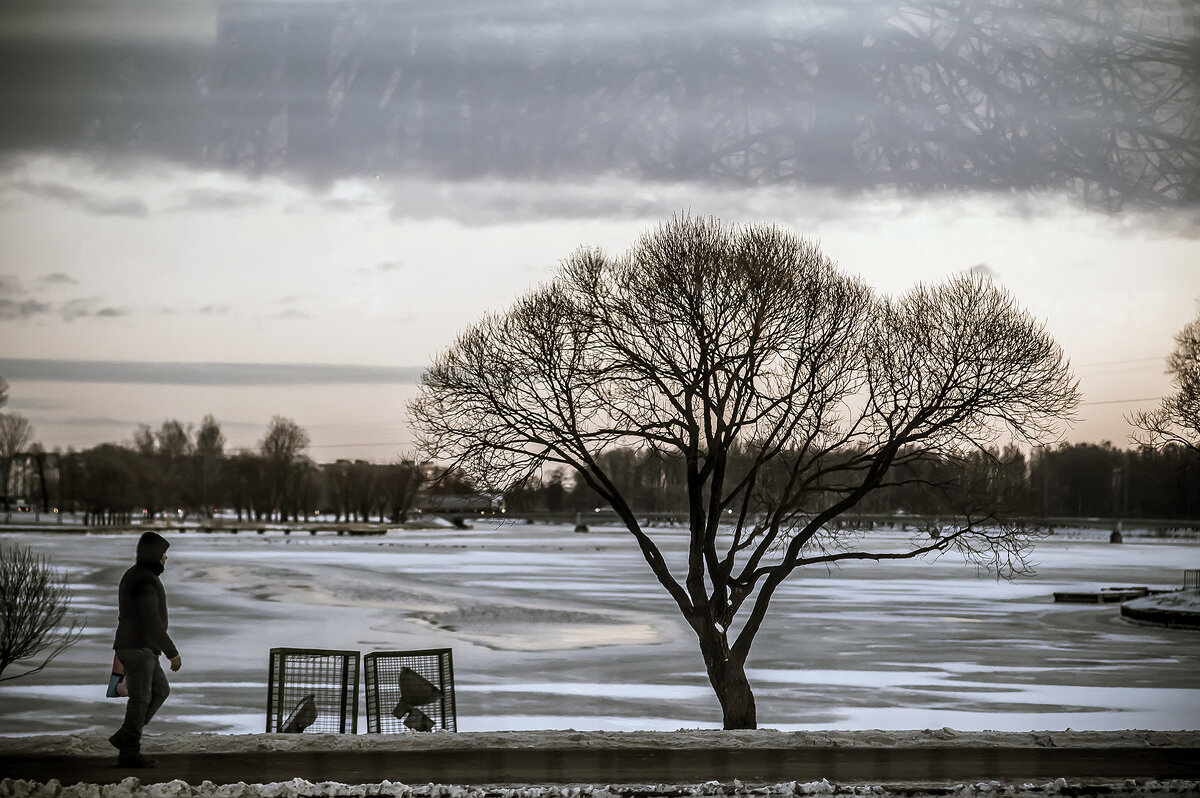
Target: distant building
x,y
461,504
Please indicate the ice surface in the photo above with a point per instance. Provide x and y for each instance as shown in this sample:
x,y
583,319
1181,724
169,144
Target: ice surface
x,y
552,629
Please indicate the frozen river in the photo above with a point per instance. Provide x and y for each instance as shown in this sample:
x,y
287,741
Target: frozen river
x,y
556,630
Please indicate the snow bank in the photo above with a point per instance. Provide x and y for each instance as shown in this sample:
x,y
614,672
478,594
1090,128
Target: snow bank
x,y
215,743
299,788
1179,608
1184,601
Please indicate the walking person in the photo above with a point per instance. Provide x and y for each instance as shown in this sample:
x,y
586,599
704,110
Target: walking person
x,y
141,639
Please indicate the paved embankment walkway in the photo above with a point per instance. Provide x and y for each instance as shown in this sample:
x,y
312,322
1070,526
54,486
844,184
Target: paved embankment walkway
x,y
762,757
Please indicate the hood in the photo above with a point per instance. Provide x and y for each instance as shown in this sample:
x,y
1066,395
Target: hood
x,y
151,547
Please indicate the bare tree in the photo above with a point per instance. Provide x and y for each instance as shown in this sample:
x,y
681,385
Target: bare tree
x,y
210,450
1177,418
144,441
402,480
34,599
175,440
15,434
282,449
783,390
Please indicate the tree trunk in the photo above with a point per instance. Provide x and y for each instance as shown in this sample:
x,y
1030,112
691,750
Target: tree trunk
x,y
729,681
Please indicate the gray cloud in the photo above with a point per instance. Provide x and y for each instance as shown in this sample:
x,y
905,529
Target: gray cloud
x,y
214,310
122,21
20,310
98,421
368,272
89,202
231,374
85,307
78,308
291,315
217,200
486,202
985,270
56,278
29,403
10,285
922,95
333,204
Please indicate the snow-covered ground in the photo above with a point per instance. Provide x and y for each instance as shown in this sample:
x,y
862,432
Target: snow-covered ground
x,y
556,630
133,787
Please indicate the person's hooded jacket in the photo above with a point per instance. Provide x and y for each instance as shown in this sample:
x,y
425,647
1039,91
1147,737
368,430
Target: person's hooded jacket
x,y
142,601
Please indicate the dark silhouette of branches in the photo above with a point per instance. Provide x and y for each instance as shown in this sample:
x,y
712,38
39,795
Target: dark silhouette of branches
x,y
1177,418
783,391
282,449
34,599
15,434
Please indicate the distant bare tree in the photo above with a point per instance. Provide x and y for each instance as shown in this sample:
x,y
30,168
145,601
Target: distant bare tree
x,y
144,441
210,450
402,480
282,448
248,488
42,474
15,434
1177,418
174,439
3,392
34,599
783,391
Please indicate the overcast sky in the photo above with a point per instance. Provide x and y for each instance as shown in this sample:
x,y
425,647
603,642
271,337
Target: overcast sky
x,y
259,208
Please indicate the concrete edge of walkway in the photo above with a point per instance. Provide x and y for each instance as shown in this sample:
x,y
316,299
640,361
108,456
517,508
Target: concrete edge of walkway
x,y
607,764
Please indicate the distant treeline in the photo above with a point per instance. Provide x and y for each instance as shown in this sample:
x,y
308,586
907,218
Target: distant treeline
x,y
174,471
1080,480
176,468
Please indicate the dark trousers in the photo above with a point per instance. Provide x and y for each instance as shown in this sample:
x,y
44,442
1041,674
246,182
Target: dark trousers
x,y
148,689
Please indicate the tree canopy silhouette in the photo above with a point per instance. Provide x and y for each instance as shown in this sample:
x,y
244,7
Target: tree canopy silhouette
x,y
785,391
34,599
1176,420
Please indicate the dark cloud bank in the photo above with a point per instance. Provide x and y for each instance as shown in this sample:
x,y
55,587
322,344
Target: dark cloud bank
x,y
1099,99
223,374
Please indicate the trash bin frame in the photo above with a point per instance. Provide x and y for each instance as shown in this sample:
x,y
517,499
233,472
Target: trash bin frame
x,y
372,687
277,683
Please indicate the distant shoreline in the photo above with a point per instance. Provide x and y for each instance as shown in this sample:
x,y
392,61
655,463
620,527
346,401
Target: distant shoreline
x,y
1099,528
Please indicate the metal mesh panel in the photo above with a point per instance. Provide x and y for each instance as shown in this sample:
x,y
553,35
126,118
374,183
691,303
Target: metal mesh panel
x,y
1191,580
410,691
313,690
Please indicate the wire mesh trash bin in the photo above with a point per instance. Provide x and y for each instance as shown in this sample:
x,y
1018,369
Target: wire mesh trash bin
x,y
410,691
312,689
